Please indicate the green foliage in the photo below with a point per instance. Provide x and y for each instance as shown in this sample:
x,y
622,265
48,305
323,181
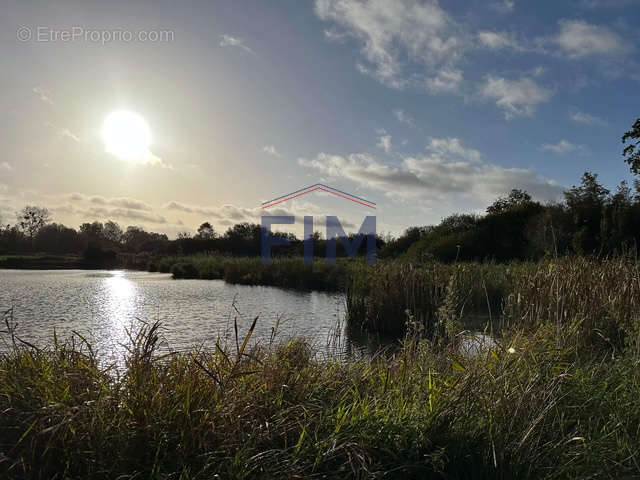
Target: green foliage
x,y
632,152
380,298
557,397
287,272
516,198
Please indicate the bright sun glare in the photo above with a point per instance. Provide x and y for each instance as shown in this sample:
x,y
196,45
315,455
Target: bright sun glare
x,y
126,135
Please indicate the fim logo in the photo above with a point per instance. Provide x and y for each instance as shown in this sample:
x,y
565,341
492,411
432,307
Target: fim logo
x,y
334,229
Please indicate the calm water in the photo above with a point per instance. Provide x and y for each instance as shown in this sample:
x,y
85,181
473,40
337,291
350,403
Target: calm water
x,y
101,305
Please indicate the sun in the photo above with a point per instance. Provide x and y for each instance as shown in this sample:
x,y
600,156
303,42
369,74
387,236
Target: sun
x,y
126,135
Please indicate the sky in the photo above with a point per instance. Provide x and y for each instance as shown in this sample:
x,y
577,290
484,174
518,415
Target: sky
x,y
425,108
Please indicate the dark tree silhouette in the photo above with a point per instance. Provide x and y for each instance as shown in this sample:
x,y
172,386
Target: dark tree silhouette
x,y
31,219
206,232
93,231
112,232
515,198
632,151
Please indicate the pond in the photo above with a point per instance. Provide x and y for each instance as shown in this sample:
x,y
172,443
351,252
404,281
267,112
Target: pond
x,y
102,305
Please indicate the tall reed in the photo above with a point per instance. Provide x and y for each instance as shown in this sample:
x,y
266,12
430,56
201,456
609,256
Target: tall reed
x,y
519,410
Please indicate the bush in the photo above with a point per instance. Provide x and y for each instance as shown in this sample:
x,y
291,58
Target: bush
x,y
184,270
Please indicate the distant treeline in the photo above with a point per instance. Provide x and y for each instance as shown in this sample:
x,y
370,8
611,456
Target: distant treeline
x,y
33,233
589,221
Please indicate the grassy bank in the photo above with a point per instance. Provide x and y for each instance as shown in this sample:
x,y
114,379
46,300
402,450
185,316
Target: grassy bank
x,y
383,298
285,272
548,402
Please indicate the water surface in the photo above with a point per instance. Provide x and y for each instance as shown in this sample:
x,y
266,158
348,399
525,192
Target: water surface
x,y
101,305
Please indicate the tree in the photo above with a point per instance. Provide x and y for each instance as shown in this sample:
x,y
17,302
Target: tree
x,y
515,198
93,231
31,219
136,239
112,232
632,151
243,238
206,232
56,238
618,220
586,204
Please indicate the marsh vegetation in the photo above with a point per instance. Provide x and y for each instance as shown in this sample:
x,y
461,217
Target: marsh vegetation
x,y
557,396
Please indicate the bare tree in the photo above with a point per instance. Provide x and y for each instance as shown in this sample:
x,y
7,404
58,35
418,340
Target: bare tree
x,y
31,219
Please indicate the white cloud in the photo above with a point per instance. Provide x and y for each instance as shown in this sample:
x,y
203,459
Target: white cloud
x,y
504,6
384,143
563,146
101,208
592,4
497,40
44,95
62,132
271,150
580,39
444,148
333,35
66,133
449,169
145,159
128,203
538,71
122,202
228,212
6,166
586,119
228,215
93,213
404,117
229,41
515,97
397,36
446,80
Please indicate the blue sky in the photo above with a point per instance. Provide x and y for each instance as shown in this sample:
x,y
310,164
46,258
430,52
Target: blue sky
x,y
426,108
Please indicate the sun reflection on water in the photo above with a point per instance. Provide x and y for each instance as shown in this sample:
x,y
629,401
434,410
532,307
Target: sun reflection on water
x,y
118,297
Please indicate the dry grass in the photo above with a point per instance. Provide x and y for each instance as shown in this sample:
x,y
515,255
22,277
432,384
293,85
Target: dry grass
x,y
559,397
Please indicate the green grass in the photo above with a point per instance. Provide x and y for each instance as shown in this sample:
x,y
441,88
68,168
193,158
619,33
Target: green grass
x,y
590,292
383,298
276,412
286,272
558,396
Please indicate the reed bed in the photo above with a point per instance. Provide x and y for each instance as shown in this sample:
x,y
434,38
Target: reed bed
x,y
395,294
286,272
527,408
598,299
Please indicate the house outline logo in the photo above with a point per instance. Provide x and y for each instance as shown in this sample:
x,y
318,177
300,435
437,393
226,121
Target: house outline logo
x,y
321,187
334,228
